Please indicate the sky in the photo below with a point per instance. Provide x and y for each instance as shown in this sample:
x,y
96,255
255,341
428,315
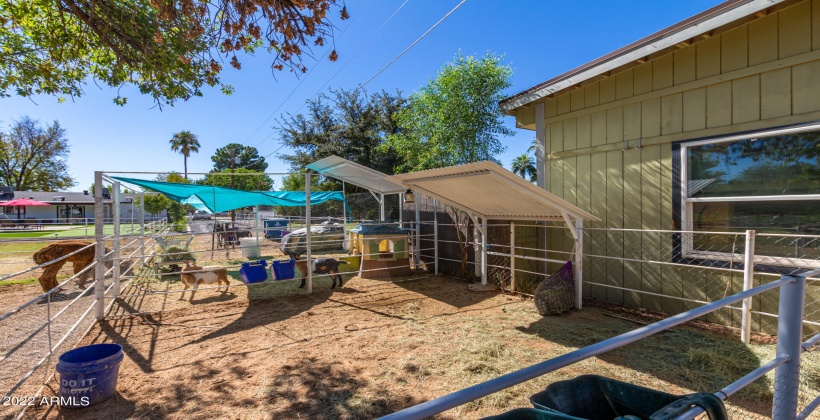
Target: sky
x,y
539,39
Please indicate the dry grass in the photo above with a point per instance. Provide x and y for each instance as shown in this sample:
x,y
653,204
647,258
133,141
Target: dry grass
x,y
271,351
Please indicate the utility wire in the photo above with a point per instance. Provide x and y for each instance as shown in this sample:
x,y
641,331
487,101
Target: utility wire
x,y
413,44
302,80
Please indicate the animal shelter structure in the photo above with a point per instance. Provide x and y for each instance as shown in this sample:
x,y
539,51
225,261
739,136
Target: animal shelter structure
x,y
383,248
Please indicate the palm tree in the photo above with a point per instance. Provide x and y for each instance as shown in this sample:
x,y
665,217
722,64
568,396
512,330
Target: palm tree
x,y
525,166
184,142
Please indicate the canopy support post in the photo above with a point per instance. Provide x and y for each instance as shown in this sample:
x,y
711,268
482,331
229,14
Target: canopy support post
x,y
435,234
577,235
484,251
381,207
418,235
99,249
142,229
309,264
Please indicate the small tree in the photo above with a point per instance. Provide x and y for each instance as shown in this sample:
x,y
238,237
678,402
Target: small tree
x,y
248,156
524,166
156,203
260,182
455,118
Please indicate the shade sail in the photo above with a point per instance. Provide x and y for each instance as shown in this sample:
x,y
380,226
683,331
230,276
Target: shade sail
x,y
218,199
491,192
359,175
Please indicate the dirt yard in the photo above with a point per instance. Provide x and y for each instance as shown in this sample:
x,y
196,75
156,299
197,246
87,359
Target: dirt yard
x,y
273,352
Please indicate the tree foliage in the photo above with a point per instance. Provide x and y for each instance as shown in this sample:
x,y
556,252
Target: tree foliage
x,y
33,157
348,123
455,118
156,203
524,166
169,49
296,182
185,142
248,156
260,182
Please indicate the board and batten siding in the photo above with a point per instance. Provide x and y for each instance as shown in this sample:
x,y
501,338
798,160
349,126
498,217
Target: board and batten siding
x,y
609,146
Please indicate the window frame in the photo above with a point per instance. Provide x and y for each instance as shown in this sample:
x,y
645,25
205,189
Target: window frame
x,y
686,221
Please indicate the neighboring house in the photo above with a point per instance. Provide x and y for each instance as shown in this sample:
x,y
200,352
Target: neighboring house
x,y
66,207
711,124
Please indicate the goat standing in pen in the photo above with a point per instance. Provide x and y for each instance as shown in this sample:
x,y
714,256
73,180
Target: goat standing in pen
x,y
194,275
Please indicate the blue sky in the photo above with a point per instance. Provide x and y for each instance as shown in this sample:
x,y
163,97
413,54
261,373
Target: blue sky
x,y
538,38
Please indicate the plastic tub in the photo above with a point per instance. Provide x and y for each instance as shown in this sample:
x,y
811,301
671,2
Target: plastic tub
x,y
88,374
254,272
597,397
530,414
251,247
283,270
274,227
354,262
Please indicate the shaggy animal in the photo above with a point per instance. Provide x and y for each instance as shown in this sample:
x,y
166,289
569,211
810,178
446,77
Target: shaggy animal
x,y
323,266
55,250
194,275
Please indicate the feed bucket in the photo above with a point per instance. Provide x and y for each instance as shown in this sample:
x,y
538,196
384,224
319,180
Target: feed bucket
x,y
88,374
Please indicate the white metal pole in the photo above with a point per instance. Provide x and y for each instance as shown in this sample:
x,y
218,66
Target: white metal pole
x,y
512,256
579,264
256,227
381,206
483,251
142,228
748,280
435,234
309,264
418,234
116,239
789,343
401,210
99,249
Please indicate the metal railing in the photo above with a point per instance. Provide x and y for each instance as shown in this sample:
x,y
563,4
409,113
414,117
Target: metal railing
x,y
786,365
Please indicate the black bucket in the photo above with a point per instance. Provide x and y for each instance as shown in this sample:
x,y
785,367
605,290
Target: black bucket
x,y
597,397
530,414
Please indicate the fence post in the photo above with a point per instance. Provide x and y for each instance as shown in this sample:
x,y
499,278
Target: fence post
x,y
512,256
748,274
418,233
142,229
116,239
99,249
435,234
309,264
789,336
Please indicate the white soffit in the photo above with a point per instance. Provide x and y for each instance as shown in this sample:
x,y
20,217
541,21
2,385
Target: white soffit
x,y
490,191
353,173
683,31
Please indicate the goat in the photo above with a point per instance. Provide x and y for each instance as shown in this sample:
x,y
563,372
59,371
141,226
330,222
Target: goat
x,y
194,275
323,266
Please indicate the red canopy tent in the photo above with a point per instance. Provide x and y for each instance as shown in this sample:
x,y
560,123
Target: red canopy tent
x,y
23,202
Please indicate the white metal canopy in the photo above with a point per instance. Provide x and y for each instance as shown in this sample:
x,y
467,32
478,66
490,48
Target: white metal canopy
x,y
353,173
486,191
489,191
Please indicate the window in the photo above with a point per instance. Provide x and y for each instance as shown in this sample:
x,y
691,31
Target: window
x,y
769,182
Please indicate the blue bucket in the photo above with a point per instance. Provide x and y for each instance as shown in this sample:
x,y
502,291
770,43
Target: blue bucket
x,y
88,374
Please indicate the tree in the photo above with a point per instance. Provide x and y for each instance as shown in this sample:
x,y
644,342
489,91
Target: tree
x,y
222,178
185,142
156,203
33,157
173,176
248,158
524,166
296,182
455,118
169,49
348,123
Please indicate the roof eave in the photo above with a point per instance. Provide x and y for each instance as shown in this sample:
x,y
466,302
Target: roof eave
x,y
701,23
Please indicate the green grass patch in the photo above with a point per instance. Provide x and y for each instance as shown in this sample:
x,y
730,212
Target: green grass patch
x,y
33,234
20,246
7,283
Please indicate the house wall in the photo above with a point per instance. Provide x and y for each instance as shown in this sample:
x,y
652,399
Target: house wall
x,y
762,74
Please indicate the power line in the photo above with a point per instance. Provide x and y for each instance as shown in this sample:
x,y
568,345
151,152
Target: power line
x,y
414,43
302,80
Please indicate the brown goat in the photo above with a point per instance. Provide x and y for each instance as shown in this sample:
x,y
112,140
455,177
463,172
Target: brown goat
x,y
55,250
193,275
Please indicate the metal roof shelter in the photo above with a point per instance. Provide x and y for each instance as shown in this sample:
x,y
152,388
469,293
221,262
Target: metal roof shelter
x,y
485,190
352,173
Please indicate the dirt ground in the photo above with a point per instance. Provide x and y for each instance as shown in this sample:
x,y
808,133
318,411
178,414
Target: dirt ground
x,y
271,351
